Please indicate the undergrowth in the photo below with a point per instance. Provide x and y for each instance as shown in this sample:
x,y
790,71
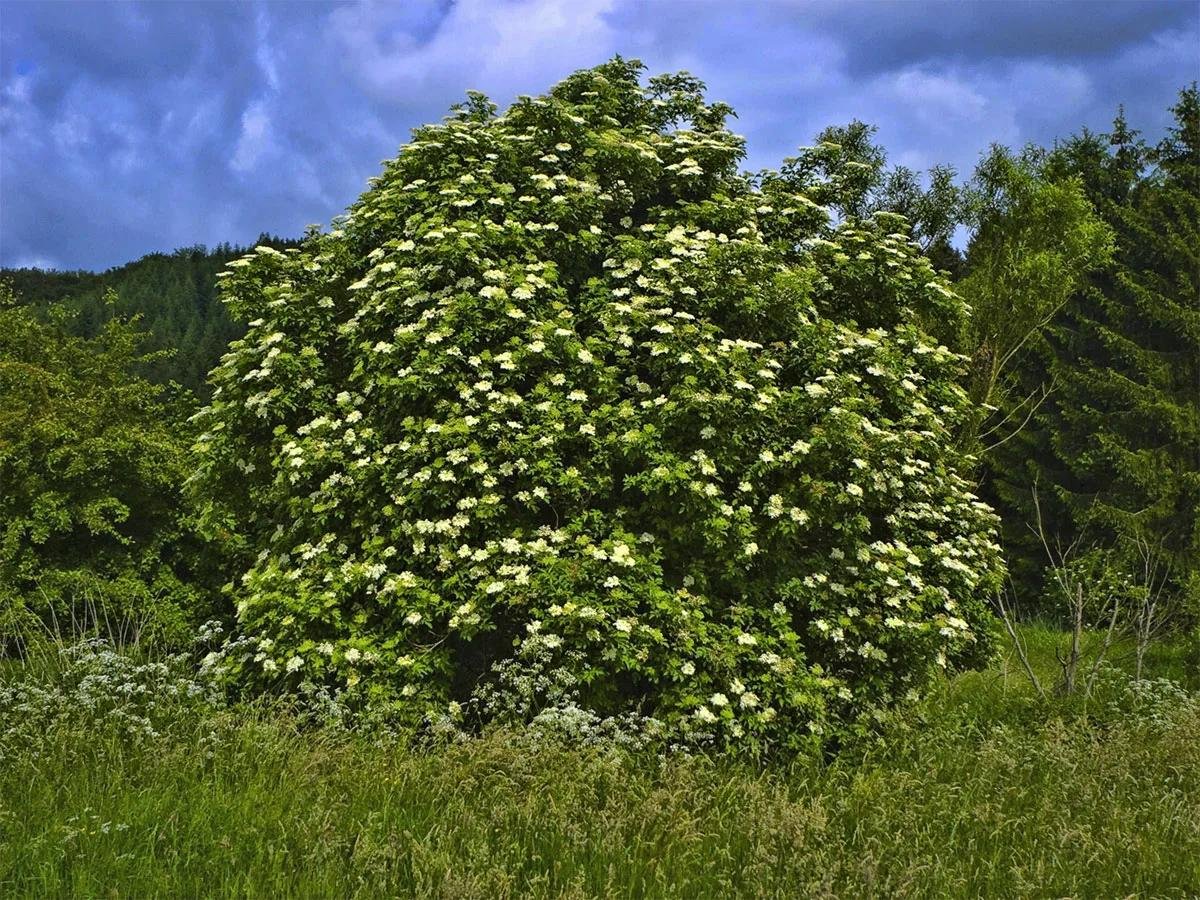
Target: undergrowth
x,y
122,777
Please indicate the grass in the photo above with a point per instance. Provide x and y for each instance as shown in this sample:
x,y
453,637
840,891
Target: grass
x,y
978,792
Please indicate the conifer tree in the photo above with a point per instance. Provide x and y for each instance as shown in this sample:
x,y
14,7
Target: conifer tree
x,y
1117,447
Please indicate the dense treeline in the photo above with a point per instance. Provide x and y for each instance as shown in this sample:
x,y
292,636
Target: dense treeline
x,y
1110,454
1081,357
174,294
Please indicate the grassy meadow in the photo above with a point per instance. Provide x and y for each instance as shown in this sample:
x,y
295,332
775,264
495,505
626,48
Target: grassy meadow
x,y
982,790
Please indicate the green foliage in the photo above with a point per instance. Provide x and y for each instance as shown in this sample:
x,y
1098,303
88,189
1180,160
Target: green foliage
x,y
1128,423
976,792
845,171
1035,238
1116,447
564,378
934,211
92,463
174,295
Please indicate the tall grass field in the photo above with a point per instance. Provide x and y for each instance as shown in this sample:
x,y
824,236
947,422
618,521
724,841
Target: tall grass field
x,y
119,778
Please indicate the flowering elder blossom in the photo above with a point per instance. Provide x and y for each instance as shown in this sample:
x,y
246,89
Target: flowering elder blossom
x,y
563,375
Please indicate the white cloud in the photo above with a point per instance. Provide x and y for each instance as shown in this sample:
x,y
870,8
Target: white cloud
x,y
255,139
263,53
500,47
937,99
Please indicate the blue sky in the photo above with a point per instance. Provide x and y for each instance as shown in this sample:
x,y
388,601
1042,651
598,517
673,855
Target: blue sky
x,y
127,128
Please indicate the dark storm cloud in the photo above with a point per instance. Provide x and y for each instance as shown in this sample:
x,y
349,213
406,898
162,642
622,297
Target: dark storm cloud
x,y
957,32
126,128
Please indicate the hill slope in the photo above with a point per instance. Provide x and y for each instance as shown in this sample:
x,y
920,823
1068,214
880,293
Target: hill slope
x,y
174,293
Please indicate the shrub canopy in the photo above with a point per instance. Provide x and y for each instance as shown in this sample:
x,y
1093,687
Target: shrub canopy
x,y
564,386
93,528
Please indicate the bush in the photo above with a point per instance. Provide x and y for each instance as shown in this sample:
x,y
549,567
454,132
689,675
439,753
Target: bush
x,y
93,528
91,685
564,377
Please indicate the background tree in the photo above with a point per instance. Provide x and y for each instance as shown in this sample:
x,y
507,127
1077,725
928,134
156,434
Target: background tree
x,y
1118,441
1035,238
846,171
934,212
173,294
92,462
842,170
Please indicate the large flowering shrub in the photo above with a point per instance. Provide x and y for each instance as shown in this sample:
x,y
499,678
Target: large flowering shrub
x,y
564,384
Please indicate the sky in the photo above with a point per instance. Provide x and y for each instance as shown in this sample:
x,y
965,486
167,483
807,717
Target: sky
x,y
127,128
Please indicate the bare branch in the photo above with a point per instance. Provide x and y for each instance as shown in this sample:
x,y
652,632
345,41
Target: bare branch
x,y
1019,428
1008,616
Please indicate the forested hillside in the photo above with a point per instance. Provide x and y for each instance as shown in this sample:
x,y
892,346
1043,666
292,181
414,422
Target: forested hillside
x,y
175,295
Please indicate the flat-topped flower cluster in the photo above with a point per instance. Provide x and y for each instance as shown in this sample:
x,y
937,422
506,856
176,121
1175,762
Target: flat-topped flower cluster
x,y
564,377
